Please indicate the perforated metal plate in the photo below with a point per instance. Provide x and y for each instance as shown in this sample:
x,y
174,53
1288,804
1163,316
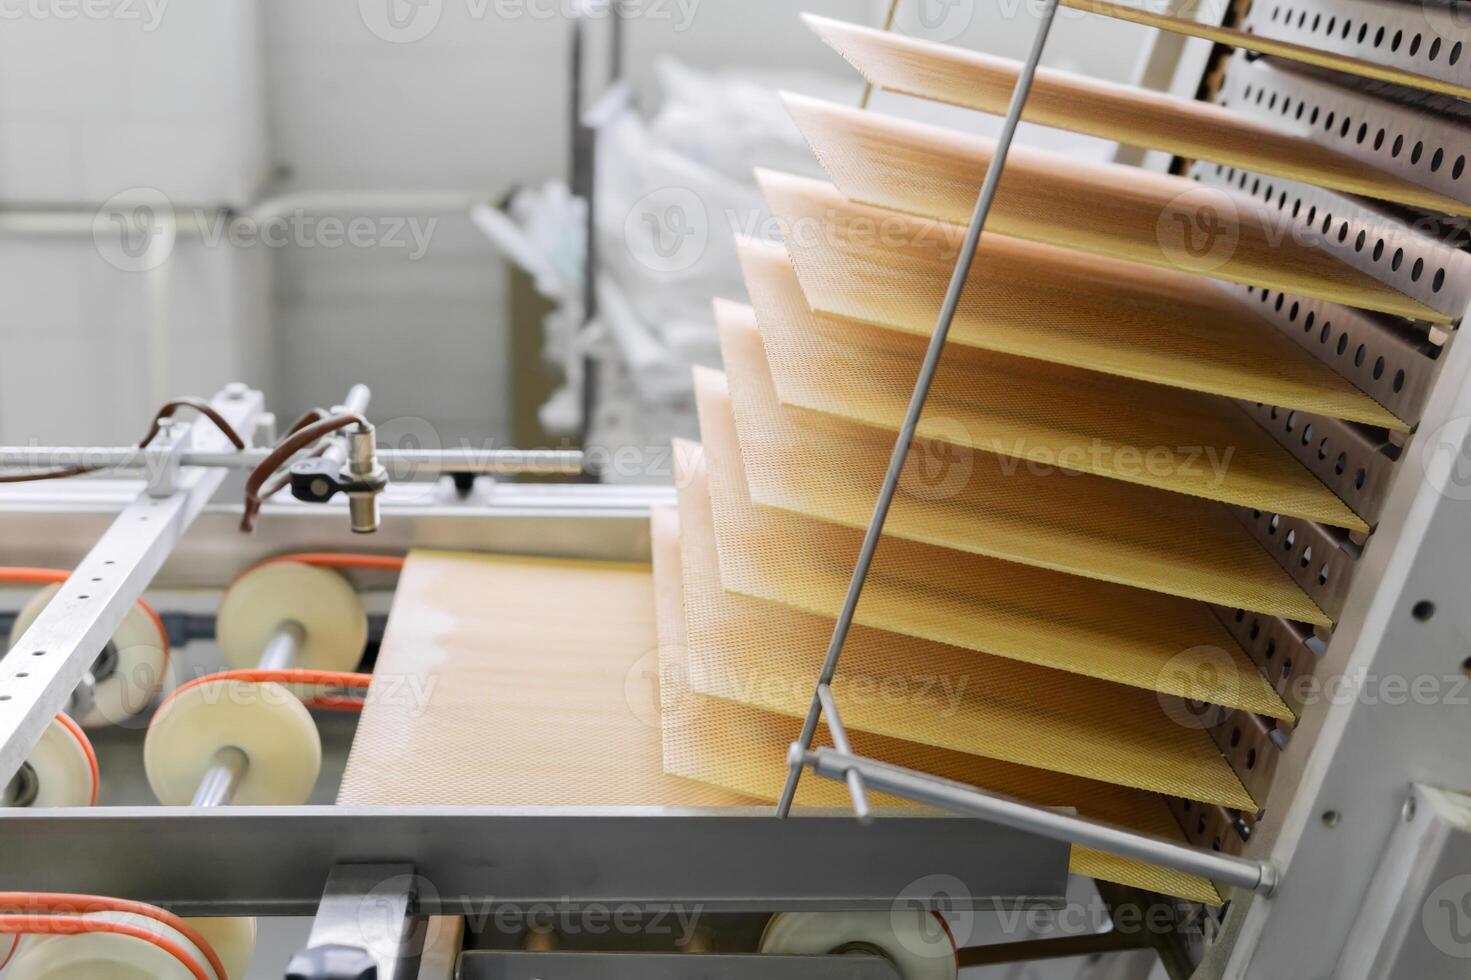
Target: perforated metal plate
x,y
1425,40
1322,52
1187,128
831,470
1105,209
1381,132
1046,415
1422,262
1049,304
743,748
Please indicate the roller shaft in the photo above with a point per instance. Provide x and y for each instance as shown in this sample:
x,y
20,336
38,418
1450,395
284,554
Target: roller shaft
x,y
222,778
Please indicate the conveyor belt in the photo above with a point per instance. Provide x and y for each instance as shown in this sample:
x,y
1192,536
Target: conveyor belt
x,y
512,681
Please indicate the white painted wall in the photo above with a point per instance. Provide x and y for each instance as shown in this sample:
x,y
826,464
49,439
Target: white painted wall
x,y
211,102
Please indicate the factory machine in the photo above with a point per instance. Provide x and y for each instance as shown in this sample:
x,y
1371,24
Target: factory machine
x,y
1051,521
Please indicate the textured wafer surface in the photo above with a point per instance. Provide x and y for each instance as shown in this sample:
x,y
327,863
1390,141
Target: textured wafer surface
x,y
758,653
832,470
1046,414
1097,629
508,681
743,748
1107,209
1050,304
1187,128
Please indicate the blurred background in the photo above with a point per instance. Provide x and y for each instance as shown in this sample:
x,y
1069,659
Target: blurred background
x,y
307,194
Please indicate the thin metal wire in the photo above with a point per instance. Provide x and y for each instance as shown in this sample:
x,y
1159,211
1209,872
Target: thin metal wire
x,y
917,400
888,26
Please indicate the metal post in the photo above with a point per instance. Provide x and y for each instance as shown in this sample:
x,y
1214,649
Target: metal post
x,y
921,393
1257,876
840,739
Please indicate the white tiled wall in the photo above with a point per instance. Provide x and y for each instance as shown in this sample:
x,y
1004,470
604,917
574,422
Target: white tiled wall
x,y
221,93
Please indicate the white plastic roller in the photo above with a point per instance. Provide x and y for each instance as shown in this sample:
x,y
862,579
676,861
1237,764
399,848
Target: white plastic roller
x,y
60,771
320,601
265,722
232,938
95,955
130,671
916,942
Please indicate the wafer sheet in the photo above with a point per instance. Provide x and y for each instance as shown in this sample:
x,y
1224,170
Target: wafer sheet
x,y
1106,209
1049,416
1187,128
744,749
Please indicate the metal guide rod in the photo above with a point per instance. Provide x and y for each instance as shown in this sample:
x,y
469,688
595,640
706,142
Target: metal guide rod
x,y
921,392
430,461
840,738
1256,876
220,781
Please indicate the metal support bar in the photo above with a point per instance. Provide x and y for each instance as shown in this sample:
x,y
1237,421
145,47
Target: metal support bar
x,y
1257,876
406,463
40,673
650,858
840,739
496,965
365,922
921,393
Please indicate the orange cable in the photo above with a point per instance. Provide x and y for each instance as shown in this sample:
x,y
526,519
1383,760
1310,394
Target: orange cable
x,y
73,904
328,559
86,743
62,925
324,678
